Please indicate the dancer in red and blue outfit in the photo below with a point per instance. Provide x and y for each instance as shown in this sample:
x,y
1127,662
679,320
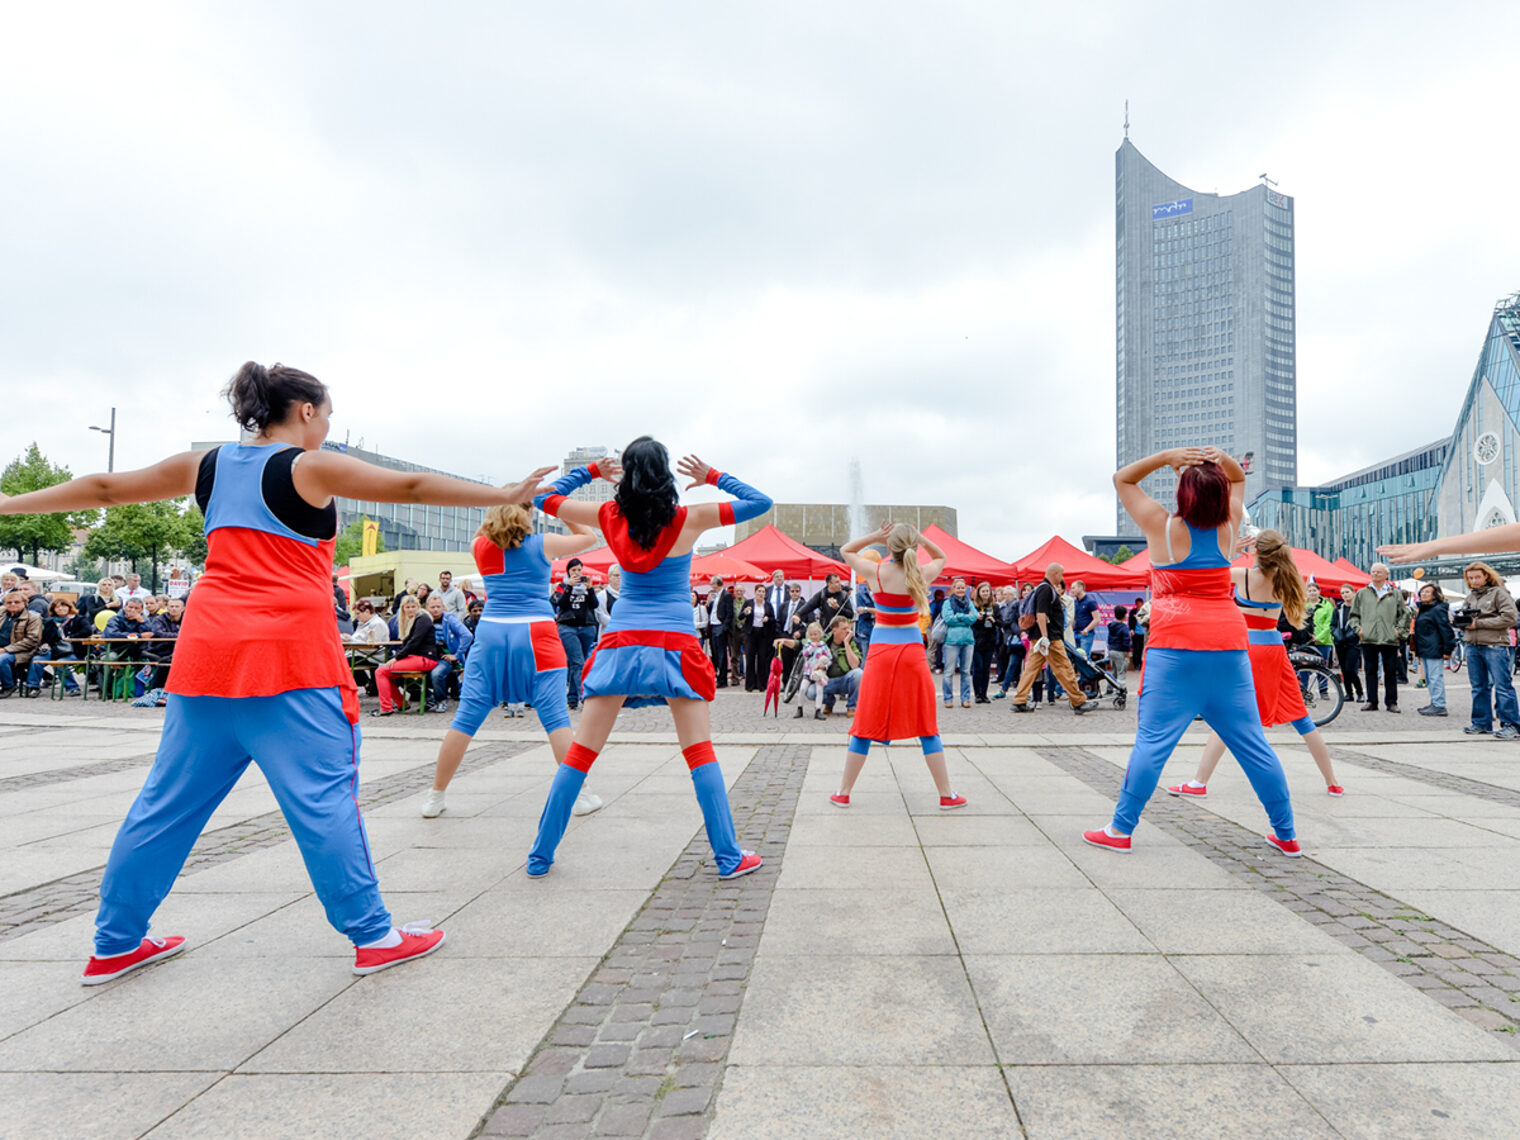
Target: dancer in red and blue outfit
x,y
649,652
1273,586
244,688
517,655
896,690
1196,662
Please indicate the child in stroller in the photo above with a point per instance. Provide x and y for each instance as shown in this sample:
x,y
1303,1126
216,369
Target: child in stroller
x,y
1094,677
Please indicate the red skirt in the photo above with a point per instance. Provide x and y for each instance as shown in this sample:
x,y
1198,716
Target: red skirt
x,y
896,699
1278,697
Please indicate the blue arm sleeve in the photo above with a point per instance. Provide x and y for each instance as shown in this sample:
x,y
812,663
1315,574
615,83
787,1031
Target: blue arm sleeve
x,y
566,484
749,503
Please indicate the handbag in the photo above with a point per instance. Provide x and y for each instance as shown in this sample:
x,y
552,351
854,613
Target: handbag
x,y
937,631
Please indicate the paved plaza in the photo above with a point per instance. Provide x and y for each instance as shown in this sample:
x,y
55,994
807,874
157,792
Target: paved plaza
x,y
891,971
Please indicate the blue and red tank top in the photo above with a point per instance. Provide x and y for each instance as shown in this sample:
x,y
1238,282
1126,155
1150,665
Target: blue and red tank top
x,y
260,620
516,580
1193,600
656,592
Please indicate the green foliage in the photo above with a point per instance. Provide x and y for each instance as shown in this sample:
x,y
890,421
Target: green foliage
x,y
30,535
1123,554
146,531
86,569
350,543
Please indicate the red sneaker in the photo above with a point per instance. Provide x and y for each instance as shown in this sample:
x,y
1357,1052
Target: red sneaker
x,y
839,799
418,940
99,970
1288,847
750,862
1187,790
950,803
1335,790
1101,838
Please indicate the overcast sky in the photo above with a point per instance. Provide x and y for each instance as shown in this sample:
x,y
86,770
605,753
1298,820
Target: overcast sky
x,y
778,235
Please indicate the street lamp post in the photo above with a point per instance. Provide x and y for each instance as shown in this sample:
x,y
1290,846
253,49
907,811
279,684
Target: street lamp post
x,y
110,431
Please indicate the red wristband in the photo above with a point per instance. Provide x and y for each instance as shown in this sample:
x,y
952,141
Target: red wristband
x,y
713,475
551,505
595,471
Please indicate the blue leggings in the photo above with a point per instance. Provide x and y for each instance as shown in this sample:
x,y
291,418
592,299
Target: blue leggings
x,y
309,753
1216,684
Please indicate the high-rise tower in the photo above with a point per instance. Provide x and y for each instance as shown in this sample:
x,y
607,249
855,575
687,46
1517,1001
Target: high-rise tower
x,y
1205,324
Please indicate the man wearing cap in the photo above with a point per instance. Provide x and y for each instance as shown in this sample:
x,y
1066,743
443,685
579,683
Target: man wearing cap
x,y
575,610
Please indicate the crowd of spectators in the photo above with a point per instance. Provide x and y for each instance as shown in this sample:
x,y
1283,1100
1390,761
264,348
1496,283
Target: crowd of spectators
x,y
1379,637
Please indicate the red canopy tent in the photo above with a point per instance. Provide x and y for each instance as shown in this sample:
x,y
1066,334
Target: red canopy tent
x,y
1139,564
1358,579
732,569
771,549
962,560
595,564
1094,572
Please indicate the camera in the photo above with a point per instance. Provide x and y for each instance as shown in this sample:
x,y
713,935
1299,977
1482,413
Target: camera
x,y
1463,618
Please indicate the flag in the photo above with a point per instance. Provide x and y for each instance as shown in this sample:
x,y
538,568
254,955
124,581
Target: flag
x,y
371,538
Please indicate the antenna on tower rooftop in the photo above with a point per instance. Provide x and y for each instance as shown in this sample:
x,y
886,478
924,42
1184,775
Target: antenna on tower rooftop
x,y
1126,118
1268,181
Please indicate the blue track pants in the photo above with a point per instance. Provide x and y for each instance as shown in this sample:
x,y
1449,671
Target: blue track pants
x,y
1180,684
309,753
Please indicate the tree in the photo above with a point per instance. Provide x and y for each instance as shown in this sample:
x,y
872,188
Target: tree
x,y
137,531
350,543
194,549
1123,554
32,534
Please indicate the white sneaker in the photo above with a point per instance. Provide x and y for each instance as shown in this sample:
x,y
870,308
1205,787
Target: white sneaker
x,y
586,803
433,806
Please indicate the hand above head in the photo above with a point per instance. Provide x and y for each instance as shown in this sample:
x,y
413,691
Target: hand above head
x,y
1214,455
524,489
609,469
884,531
1179,458
694,469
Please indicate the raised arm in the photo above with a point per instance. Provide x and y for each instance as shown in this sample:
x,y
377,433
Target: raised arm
x,y
556,501
850,551
748,503
1148,514
1236,474
580,538
931,569
170,479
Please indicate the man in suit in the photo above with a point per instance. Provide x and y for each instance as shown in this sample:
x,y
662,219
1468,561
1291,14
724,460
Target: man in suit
x,y
720,616
789,624
775,598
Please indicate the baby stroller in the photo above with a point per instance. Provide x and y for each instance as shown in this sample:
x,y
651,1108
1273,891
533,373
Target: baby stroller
x,y
1096,681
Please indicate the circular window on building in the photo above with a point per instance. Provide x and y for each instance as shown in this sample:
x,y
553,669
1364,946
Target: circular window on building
x,y
1486,448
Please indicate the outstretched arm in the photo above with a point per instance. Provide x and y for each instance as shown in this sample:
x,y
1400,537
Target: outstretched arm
x,y
1496,540
556,501
748,503
169,479
321,475
580,538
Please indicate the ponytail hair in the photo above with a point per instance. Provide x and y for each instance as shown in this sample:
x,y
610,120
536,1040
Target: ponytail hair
x,y
1274,558
902,543
262,396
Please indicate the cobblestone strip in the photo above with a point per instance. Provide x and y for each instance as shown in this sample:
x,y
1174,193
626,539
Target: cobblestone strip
x,y
35,907
78,772
640,1050
1466,974
1444,780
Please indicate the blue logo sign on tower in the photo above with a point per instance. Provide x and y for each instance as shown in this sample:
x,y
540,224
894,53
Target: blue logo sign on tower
x,y
1172,209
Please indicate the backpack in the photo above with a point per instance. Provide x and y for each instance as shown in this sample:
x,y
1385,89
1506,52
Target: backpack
x,y
1026,610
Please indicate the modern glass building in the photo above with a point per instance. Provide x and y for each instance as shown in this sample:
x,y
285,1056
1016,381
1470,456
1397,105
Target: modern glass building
x,y
1205,316
1390,501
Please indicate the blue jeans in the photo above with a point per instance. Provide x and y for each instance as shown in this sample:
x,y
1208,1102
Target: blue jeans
x,y
1488,667
39,663
849,685
579,641
438,681
1435,678
1085,641
958,655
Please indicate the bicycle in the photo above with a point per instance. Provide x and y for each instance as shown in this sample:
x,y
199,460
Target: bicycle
x,y
1313,676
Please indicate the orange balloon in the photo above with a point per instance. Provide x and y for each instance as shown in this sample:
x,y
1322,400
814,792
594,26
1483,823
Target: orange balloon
x,y
871,555
1417,572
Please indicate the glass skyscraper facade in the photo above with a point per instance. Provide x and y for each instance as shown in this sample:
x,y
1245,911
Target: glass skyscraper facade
x,y
1205,324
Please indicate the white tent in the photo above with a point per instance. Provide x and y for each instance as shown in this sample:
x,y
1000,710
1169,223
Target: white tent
x,y
35,573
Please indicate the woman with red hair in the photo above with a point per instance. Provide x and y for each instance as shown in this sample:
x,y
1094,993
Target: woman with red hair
x,y
1196,661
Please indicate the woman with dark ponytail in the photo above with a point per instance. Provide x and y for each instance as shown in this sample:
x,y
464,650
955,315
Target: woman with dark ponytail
x,y
649,652
241,687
